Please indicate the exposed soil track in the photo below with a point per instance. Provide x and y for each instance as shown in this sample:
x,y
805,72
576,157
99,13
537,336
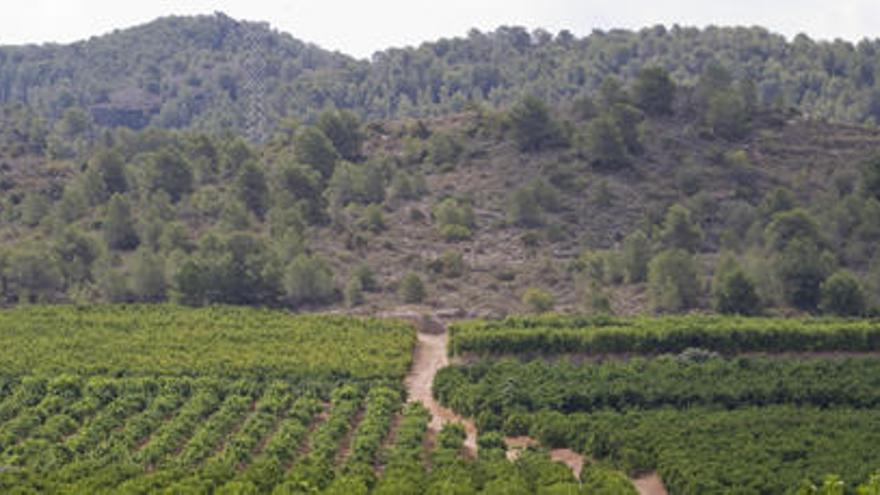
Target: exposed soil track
x,y
430,356
650,484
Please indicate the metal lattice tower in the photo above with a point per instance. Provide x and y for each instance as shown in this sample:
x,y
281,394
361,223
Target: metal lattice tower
x,y
255,65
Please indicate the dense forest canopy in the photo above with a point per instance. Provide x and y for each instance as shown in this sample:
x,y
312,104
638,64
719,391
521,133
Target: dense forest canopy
x,y
214,73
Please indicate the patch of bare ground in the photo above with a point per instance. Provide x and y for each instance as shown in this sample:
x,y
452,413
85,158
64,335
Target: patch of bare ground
x,y
650,484
428,357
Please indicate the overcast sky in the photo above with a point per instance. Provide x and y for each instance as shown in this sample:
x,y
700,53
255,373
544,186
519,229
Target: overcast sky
x,y
361,27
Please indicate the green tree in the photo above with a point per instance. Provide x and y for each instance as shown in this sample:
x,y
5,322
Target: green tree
x,y
524,210
252,190
801,268
654,91
34,209
842,294
343,128
119,231
733,292
672,281
871,176
314,148
169,172
308,280
680,231
412,289
109,165
32,274
728,115
603,144
299,185
533,127
636,255
148,282
76,253
444,148
789,225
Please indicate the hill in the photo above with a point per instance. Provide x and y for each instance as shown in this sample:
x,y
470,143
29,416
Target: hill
x,y
216,74
650,196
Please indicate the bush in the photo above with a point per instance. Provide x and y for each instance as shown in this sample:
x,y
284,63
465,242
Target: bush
x,y
636,255
842,294
802,268
412,289
354,292
672,281
603,143
444,149
680,231
455,233
540,301
450,264
524,209
308,281
732,290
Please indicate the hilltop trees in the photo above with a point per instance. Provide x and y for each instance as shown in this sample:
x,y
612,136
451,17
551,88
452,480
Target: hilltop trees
x,y
654,91
533,127
343,129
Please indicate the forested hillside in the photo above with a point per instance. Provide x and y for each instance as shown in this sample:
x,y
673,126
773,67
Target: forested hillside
x,y
213,73
642,196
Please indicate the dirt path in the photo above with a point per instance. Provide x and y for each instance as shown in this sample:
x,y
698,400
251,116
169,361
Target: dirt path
x,y
428,357
650,484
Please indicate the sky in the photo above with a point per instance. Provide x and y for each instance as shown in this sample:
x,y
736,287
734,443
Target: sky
x,y
362,27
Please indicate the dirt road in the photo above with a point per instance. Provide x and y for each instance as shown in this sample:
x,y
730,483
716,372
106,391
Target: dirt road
x,y
430,356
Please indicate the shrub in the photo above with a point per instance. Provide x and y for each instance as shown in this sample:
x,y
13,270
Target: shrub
x,y
732,290
354,292
636,255
672,281
308,281
680,231
412,289
801,269
842,295
524,209
455,233
540,301
450,264
444,149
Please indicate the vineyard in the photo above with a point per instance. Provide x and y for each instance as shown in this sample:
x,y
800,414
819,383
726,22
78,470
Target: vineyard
x,y
714,405
170,340
163,399
643,335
